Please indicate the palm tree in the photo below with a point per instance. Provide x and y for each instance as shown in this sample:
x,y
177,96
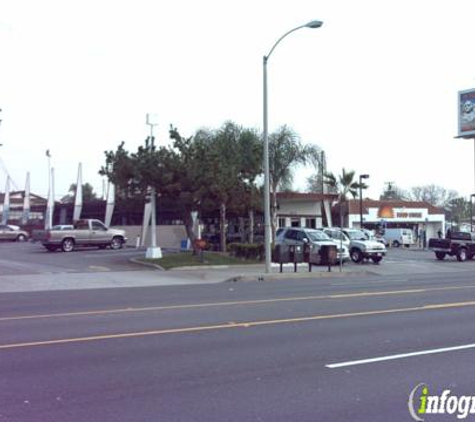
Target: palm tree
x,y
343,185
285,152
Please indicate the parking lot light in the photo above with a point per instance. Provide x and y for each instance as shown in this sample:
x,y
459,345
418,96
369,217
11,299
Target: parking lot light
x,y
362,176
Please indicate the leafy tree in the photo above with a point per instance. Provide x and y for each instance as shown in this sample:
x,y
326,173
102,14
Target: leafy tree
x,y
232,162
316,182
211,165
88,193
458,210
286,151
433,194
393,192
343,185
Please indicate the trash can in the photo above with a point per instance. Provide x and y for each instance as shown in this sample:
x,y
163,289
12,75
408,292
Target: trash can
x,y
311,255
296,253
281,254
328,254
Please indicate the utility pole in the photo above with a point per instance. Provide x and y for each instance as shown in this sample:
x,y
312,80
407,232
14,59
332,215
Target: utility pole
x,y
153,251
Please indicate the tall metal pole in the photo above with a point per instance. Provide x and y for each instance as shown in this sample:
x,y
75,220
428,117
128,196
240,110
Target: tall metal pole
x,y
152,199
361,205
267,225
362,176
153,251
267,216
471,213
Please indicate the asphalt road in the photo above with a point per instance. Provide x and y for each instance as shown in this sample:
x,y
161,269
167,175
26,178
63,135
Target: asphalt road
x,y
237,351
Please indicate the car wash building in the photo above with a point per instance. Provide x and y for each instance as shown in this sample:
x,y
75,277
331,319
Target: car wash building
x,y
415,215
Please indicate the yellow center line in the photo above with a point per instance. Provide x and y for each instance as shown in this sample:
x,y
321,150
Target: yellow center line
x,y
232,303
247,324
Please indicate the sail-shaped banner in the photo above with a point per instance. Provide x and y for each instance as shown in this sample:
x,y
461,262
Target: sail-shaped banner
x,y
110,204
50,204
26,201
6,202
78,196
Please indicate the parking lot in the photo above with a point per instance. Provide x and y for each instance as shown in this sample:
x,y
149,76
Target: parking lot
x,y
31,258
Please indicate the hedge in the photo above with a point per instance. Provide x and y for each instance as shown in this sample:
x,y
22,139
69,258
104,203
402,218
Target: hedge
x,y
247,250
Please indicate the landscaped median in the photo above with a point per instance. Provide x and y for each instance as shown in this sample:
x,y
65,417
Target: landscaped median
x,y
188,259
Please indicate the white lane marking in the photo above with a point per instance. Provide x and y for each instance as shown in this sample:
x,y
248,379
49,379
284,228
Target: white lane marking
x,y
400,356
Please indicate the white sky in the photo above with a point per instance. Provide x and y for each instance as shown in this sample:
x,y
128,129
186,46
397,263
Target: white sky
x,y
375,86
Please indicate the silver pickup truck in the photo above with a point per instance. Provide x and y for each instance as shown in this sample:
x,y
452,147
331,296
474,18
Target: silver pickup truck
x,y
85,233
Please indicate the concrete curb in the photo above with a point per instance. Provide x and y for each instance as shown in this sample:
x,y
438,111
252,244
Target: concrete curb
x,y
288,275
146,264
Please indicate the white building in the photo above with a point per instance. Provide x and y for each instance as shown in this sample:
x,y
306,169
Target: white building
x,y
415,215
296,209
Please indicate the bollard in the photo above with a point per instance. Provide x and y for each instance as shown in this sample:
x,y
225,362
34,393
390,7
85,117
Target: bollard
x,y
137,242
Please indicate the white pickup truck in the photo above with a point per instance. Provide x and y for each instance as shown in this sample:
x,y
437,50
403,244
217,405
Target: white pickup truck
x,y
85,233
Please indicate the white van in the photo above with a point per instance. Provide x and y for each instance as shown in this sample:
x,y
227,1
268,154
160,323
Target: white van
x,y
398,237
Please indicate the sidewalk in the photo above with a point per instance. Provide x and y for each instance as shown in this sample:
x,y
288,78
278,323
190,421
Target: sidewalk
x,y
174,277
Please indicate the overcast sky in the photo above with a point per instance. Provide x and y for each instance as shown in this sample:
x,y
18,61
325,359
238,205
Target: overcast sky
x,y
375,86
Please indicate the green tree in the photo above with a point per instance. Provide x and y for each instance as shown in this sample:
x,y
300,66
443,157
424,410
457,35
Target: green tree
x,y
316,182
88,193
343,185
433,194
457,210
286,151
232,160
219,166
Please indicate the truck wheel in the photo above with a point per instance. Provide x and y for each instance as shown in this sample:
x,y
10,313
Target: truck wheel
x,y
440,255
356,255
462,254
377,259
117,243
67,245
396,244
21,238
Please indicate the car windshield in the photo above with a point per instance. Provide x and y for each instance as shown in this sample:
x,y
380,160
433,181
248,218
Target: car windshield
x,y
338,235
356,235
316,236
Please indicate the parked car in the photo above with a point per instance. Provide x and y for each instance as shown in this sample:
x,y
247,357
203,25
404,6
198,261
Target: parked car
x,y
302,235
84,233
10,232
459,244
399,237
375,236
337,235
361,247
63,227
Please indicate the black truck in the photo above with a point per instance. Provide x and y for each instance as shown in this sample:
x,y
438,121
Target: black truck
x,y
459,244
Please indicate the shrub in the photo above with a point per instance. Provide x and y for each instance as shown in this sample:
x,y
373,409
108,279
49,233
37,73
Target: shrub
x,y
247,250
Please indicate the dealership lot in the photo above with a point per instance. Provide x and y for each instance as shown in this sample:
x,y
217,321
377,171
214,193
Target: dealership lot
x,y
30,258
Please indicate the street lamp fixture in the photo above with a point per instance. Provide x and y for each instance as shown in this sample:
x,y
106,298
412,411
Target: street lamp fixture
x,y
362,176
267,226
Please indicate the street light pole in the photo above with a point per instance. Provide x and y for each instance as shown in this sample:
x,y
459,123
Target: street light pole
x,y
471,212
362,176
153,252
267,224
